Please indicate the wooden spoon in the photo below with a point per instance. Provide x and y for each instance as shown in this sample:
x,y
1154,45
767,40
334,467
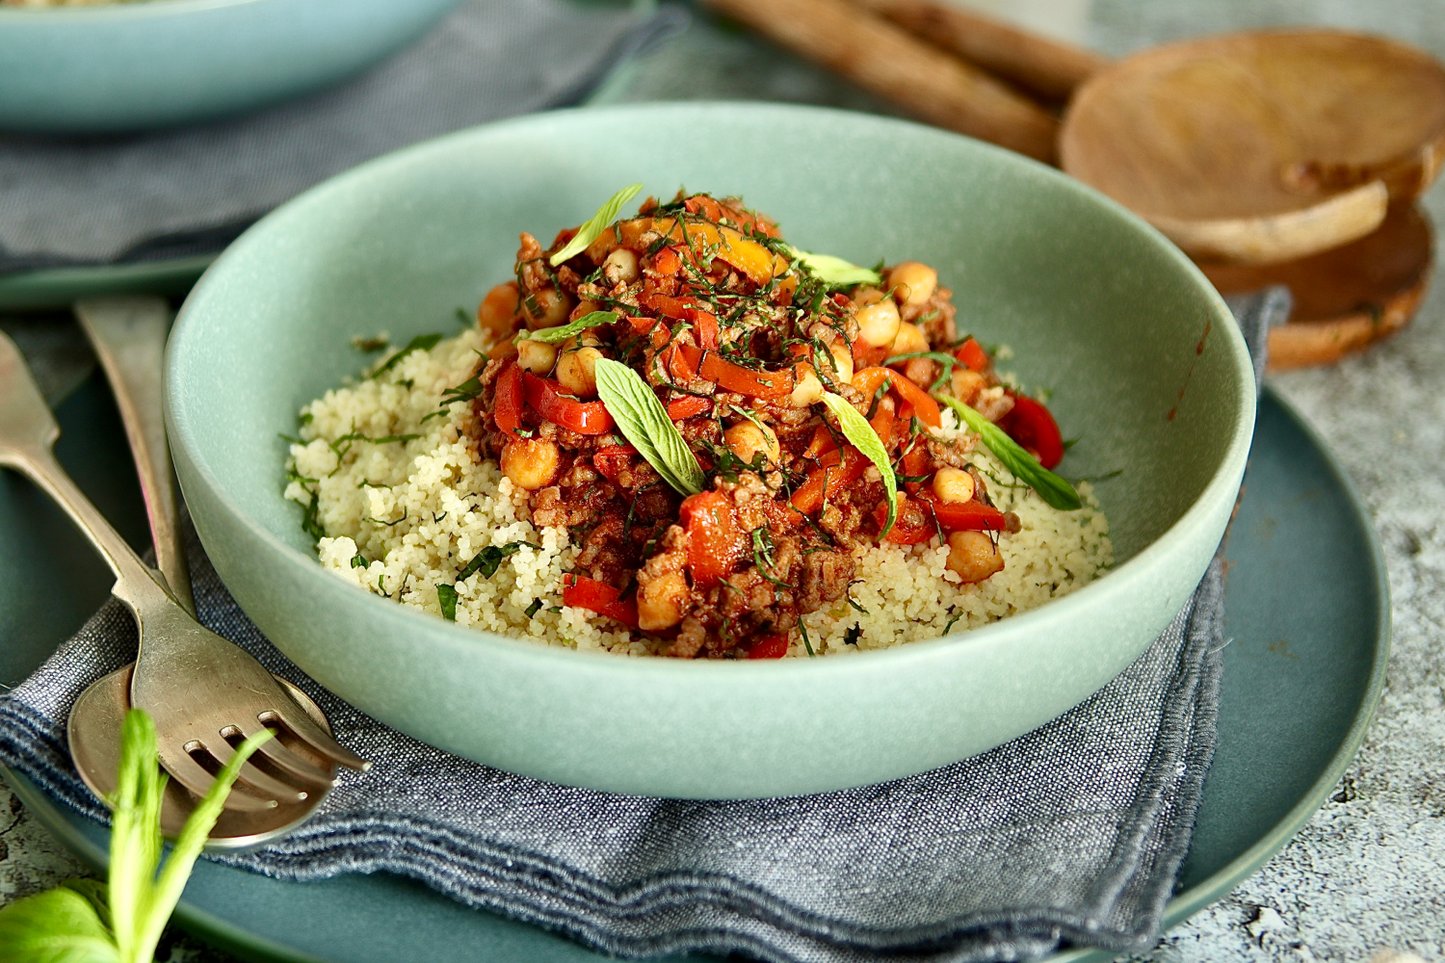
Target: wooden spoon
x,y
1346,298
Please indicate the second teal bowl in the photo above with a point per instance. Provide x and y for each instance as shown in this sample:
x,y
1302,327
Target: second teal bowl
x,y
1147,367
119,67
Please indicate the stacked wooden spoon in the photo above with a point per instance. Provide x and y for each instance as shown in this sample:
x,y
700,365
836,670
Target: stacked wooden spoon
x,y
1292,157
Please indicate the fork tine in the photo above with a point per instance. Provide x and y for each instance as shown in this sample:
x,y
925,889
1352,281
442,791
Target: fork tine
x,y
262,782
290,715
199,780
279,755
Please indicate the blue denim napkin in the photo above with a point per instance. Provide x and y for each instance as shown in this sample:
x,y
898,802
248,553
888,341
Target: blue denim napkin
x,y
1071,835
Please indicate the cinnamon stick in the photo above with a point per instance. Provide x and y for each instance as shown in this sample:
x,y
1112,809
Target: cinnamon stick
x,y
1042,65
883,58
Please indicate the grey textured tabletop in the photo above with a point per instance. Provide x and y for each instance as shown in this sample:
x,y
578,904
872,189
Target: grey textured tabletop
x,y
1363,877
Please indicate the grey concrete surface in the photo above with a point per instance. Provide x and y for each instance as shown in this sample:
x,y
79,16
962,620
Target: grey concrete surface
x,y
1364,878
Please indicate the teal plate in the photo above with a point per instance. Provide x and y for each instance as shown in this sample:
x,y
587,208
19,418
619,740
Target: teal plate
x,y
1307,624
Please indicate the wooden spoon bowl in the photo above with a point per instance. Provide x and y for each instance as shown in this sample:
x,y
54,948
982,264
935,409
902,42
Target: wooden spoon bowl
x,y
1344,299
1261,147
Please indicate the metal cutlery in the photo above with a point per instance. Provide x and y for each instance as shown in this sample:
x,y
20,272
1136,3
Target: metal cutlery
x,y
205,694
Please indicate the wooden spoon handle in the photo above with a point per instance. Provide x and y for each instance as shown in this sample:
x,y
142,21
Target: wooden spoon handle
x,y
1044,66
886,60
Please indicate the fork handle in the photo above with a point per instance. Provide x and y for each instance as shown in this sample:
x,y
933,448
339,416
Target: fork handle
x,y
135,584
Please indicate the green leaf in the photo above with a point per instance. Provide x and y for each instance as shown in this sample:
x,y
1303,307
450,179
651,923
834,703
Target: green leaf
x,y
644,422
593,229
57,926
489,559
866,440
835,271
422,342
135,836
1026,468
447,599
166,892
572,328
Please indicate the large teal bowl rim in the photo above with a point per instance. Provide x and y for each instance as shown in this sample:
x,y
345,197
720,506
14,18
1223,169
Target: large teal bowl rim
x,y
1213,503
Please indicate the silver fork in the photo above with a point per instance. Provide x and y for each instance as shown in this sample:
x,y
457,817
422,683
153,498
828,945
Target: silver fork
x,y
205,694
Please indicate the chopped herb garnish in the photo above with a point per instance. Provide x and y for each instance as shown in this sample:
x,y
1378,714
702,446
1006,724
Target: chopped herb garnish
x,y
852,601
465,391
359,561
1025,467
593,229
370,344
447,599
309,523
952,620
763,556
534,608
852,636
807,643
489,559
422,342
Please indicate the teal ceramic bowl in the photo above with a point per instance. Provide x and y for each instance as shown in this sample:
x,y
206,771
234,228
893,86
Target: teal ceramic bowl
x,y
1147,368
118,67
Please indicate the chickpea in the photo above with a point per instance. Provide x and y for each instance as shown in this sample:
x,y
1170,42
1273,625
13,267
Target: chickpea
x,y
913,283
878,323
554,306
498,312
966,383
910,339
531,463
842,367
661,602
953,485
584,308
537,357
866,296
807,389
746,439
577,369
620,266
973,556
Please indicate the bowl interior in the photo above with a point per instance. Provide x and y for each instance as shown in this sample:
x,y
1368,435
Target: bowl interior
x,y
1142,363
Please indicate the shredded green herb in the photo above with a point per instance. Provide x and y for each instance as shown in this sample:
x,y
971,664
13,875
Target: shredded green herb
x,y
534,608
422,342
489,559
571,329
447,599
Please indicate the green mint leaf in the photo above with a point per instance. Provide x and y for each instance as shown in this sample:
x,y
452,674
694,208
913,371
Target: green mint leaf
x,y
1026,468
57,926
489,559
572,328
534,608
447,599
465,391
644,422
135,835
834,271
590,231
865,439
422,342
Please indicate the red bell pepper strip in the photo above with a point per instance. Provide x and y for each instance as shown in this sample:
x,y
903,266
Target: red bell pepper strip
x,y
583,417
688,406
770,647
971,353
665,305
969,516
829,480
609,460
913,525
704,205
868,380
705,325
666,261
510,396
716,543
1033,427
734,377
582,592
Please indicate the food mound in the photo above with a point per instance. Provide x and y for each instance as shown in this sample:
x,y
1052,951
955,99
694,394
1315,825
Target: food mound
x,y
689,438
